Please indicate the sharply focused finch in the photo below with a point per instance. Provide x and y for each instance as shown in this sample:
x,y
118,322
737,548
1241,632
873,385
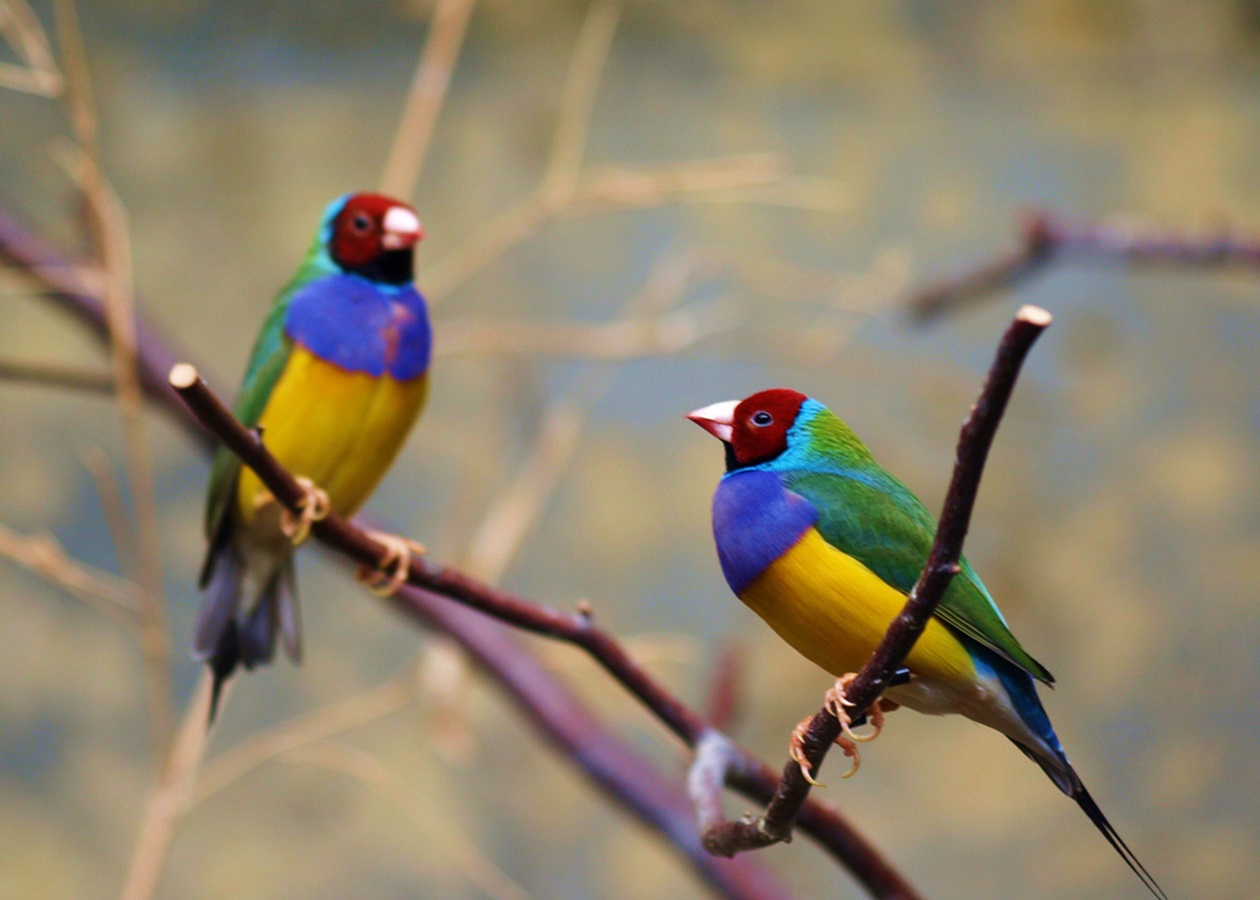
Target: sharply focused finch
x,y
824,544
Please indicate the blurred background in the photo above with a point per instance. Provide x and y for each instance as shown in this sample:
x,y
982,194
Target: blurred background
x,y
756,193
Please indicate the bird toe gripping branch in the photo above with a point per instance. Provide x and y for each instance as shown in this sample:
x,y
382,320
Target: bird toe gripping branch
x,y
395,564
836,703
312,508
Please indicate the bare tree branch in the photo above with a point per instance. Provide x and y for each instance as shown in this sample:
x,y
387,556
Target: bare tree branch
x,y
63,284
1045,238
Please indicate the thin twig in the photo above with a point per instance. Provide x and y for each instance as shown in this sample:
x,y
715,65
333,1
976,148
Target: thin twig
x,y
728,838
65,286
1045,238
169,797
577,101
108,229
105,592
22,30
614,767
56,375
496,541
600,193
117,520
424,101
317,725
620,339
439,835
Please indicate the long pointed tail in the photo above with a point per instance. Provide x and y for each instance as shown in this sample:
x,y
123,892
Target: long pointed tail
x,y
1065,778
1087,804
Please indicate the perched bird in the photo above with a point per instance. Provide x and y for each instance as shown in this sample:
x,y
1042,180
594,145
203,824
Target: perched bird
x,y
824,544
337,377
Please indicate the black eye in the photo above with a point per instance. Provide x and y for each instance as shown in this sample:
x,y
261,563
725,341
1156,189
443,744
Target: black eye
x,y
361,223
762,418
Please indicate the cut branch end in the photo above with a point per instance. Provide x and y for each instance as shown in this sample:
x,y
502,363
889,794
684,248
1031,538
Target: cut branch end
x,y
1034,315
183,376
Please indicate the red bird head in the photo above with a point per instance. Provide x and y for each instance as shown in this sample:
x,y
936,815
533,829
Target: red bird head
x,y
373,236
755,429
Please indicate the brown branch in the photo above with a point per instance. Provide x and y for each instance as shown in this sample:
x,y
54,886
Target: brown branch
x,y
728,838
1046,238
63,283
747,774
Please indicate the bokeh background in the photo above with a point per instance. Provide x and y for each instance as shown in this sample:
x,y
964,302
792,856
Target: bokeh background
x,y
880,146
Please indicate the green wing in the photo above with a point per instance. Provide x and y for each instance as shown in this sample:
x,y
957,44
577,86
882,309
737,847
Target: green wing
x,y
270,355
873,517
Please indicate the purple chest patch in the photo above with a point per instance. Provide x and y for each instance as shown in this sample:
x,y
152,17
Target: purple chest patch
x,y
755,521
361,327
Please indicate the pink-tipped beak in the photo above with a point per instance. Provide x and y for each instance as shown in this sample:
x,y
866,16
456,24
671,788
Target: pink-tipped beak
x,y
401,228
718,419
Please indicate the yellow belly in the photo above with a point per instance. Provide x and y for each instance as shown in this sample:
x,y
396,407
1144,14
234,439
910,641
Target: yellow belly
x,y
834,611
340,429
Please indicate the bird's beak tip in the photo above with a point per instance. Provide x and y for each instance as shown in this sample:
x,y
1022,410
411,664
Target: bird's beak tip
x,y
402,229
718,419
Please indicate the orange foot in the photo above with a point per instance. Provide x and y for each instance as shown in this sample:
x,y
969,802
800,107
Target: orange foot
x,y
312,507
391,572
836,703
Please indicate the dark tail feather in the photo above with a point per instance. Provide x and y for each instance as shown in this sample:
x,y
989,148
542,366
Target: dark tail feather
x,y
248,643
1090,808
215,639
222,664
257,633
226,642
225,572
1070,783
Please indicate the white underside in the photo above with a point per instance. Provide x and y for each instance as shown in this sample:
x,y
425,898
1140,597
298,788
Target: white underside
x,y
985,702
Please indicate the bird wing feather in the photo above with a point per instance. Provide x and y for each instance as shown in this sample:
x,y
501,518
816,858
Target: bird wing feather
x,y
269,357
874,518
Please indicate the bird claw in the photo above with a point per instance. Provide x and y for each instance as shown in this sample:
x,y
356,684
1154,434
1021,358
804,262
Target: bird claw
x,y
796,750
391,572
837,703
313,507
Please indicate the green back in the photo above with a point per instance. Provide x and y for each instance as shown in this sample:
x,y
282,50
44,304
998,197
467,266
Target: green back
x,y
266,362
271,353
868,514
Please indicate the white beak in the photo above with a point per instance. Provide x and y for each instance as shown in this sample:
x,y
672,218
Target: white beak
x,y
718,419
401,227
